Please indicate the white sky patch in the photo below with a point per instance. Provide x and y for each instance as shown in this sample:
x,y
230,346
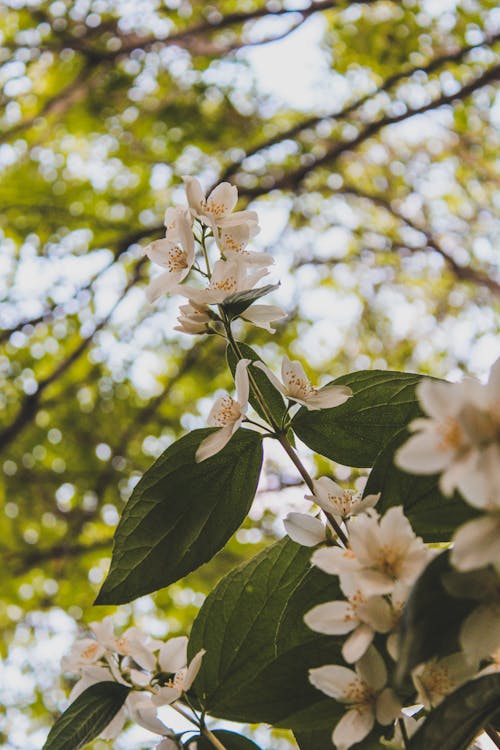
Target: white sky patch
x,y
295,70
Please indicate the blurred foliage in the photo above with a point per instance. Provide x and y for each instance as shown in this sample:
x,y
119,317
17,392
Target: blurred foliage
x,y
379,199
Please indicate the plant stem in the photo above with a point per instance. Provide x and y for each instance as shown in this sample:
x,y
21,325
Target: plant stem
x,y
404,733
205,252
308,480
255,388
212,738
492,734
203,729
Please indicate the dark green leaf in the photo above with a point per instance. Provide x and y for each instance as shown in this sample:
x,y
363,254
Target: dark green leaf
x,y
251,672
87,716
230,740
460,717
272,396
237,303
433,614
181,513
353,433
432,515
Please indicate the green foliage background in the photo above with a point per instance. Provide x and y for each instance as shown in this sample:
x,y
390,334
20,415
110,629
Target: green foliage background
x,y
380,201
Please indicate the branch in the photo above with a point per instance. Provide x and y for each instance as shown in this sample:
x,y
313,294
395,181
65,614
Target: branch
x,y
30,404
293,179
391,81
59,104
184,38
20,562
122,246
191,358
464,273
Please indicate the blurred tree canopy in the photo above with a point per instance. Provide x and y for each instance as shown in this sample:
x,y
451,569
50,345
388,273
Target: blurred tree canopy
x,y
379,197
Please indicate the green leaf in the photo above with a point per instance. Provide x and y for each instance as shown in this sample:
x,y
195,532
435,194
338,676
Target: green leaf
x,y
353,433
432,515
181,513
435,611
230,740
272,396
237,303
460,717
250,672
87,716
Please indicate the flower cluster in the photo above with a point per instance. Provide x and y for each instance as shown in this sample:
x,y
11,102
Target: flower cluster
x,y
460,439
156,672
235,269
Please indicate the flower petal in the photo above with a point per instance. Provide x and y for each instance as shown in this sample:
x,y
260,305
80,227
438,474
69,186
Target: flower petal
x,y
476,543
163,284
334,681
173,654
353,727
214,443
304,529
193,669
371,669
332,618
329,396
242,383
423,453
388,707
355,646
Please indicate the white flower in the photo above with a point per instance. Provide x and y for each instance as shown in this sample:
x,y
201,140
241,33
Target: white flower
x,y
133,643
228,277
480,633
173,660
263,315
178,225
211,210
227,413
304,529
296,387
175,253
382,552
83,653
340,503
361,616
194,318
236,232
143,711
460,438
477,543
363,691
435,679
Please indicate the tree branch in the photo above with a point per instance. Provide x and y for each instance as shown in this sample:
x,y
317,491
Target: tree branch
x,y
464,273
31,403
456,56
293,179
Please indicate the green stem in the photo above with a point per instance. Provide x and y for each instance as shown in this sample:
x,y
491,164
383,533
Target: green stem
x,y
205,252
255,388
203,729
308,480
404,733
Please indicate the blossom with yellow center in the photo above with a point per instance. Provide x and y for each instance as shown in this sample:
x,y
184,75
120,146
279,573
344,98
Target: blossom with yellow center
x,y
459,438
383,552
227,414
365,694
295,385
